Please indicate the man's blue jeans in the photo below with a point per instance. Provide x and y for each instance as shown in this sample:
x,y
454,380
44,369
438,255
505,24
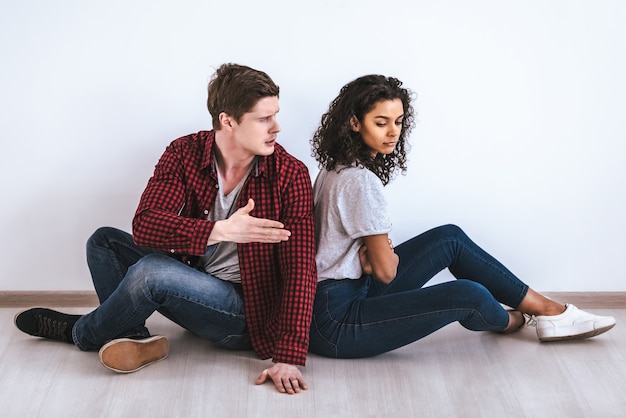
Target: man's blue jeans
x,y
133,282
361,318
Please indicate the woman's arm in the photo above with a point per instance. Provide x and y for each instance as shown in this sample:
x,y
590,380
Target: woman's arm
x,y
378,258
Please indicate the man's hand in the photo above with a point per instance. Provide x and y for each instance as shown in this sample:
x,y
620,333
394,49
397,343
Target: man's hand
x,y
242,228
286,377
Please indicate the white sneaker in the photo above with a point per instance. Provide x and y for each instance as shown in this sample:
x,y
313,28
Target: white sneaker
x,y
571,324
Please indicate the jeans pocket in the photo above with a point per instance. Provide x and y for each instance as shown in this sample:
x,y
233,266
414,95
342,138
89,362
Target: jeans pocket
x,y
318,342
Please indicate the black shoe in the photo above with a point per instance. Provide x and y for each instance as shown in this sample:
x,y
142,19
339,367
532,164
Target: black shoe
x,y
46,323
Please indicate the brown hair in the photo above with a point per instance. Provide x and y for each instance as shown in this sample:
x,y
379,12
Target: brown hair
x,y
235,89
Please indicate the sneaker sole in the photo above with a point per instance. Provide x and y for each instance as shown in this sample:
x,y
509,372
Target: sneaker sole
x,y
578,336
125,355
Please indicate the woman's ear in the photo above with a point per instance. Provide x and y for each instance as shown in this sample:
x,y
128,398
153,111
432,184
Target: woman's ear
x,y
355,124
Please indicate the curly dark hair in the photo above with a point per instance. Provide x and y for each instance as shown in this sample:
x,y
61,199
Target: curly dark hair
x,y
336,143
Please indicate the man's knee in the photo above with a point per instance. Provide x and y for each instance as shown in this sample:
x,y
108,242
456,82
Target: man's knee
x,y
104,235
152,269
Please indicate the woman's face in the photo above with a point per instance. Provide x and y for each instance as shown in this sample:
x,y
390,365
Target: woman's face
x,y
381,126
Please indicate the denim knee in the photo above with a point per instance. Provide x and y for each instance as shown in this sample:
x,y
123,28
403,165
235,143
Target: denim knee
x,y
472,293
453,231
475,296
104,235
143,277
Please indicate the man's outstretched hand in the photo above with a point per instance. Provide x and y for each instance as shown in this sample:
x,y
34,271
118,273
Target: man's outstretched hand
x,y
287,378
242,228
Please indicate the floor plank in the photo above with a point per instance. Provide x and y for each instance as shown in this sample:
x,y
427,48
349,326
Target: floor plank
x,y
452,373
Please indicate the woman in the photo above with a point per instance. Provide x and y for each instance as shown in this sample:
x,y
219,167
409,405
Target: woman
x,y
371,296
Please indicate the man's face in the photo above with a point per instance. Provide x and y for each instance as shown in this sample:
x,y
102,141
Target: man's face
x,y
256,131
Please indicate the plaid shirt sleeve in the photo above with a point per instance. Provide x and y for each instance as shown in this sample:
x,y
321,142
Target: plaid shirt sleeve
x,y
297,261
280,279
169,217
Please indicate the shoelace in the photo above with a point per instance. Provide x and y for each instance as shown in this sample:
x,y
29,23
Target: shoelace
x,y
531,321
50,328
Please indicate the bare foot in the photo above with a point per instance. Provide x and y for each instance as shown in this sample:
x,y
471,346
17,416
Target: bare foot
x,y
516,320
537,304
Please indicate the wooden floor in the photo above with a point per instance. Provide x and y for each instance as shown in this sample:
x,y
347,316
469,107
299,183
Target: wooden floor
x,y
452,373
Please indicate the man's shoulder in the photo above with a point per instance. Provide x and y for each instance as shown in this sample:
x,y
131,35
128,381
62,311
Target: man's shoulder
x,y
284,159
193,140
193,150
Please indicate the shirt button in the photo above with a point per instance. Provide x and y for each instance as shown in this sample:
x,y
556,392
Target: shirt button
x,y
206,212
172,251
217,186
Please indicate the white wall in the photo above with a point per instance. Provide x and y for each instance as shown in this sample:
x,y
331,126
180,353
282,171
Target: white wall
x,y
520,138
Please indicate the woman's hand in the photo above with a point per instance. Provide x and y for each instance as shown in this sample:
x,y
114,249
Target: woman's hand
x,y
366,266
378,258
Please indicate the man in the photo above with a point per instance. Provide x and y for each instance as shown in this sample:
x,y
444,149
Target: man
x,y
222,244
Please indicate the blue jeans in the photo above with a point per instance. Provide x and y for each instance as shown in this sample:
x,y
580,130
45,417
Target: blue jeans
x,y
133,282
364,317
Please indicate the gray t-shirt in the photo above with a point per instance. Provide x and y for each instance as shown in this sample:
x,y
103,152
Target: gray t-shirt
x,y
349,204
221,260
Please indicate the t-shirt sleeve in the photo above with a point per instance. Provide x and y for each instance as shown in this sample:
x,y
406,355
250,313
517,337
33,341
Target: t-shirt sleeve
x,y
362,205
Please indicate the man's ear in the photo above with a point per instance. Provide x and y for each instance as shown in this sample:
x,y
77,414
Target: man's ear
x,y
225,121
355,124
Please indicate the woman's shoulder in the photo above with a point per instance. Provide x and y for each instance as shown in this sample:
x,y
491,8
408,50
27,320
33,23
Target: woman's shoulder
x,y
349,181
354,173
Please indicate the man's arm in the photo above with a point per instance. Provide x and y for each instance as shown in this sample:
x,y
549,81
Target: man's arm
x,y
299,272
240,227
162,219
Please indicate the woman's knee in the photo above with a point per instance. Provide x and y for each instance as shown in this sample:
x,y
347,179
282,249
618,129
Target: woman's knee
x,y
478,299
452,231
473,293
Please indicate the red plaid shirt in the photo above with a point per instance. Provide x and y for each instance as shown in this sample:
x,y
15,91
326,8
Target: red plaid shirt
x,y
278,280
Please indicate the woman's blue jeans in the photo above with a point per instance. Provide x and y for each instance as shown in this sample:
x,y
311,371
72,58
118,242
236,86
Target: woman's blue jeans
x,y
133,282
361,318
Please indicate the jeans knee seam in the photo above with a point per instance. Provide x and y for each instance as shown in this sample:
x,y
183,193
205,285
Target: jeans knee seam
x,y
198,302
427,314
